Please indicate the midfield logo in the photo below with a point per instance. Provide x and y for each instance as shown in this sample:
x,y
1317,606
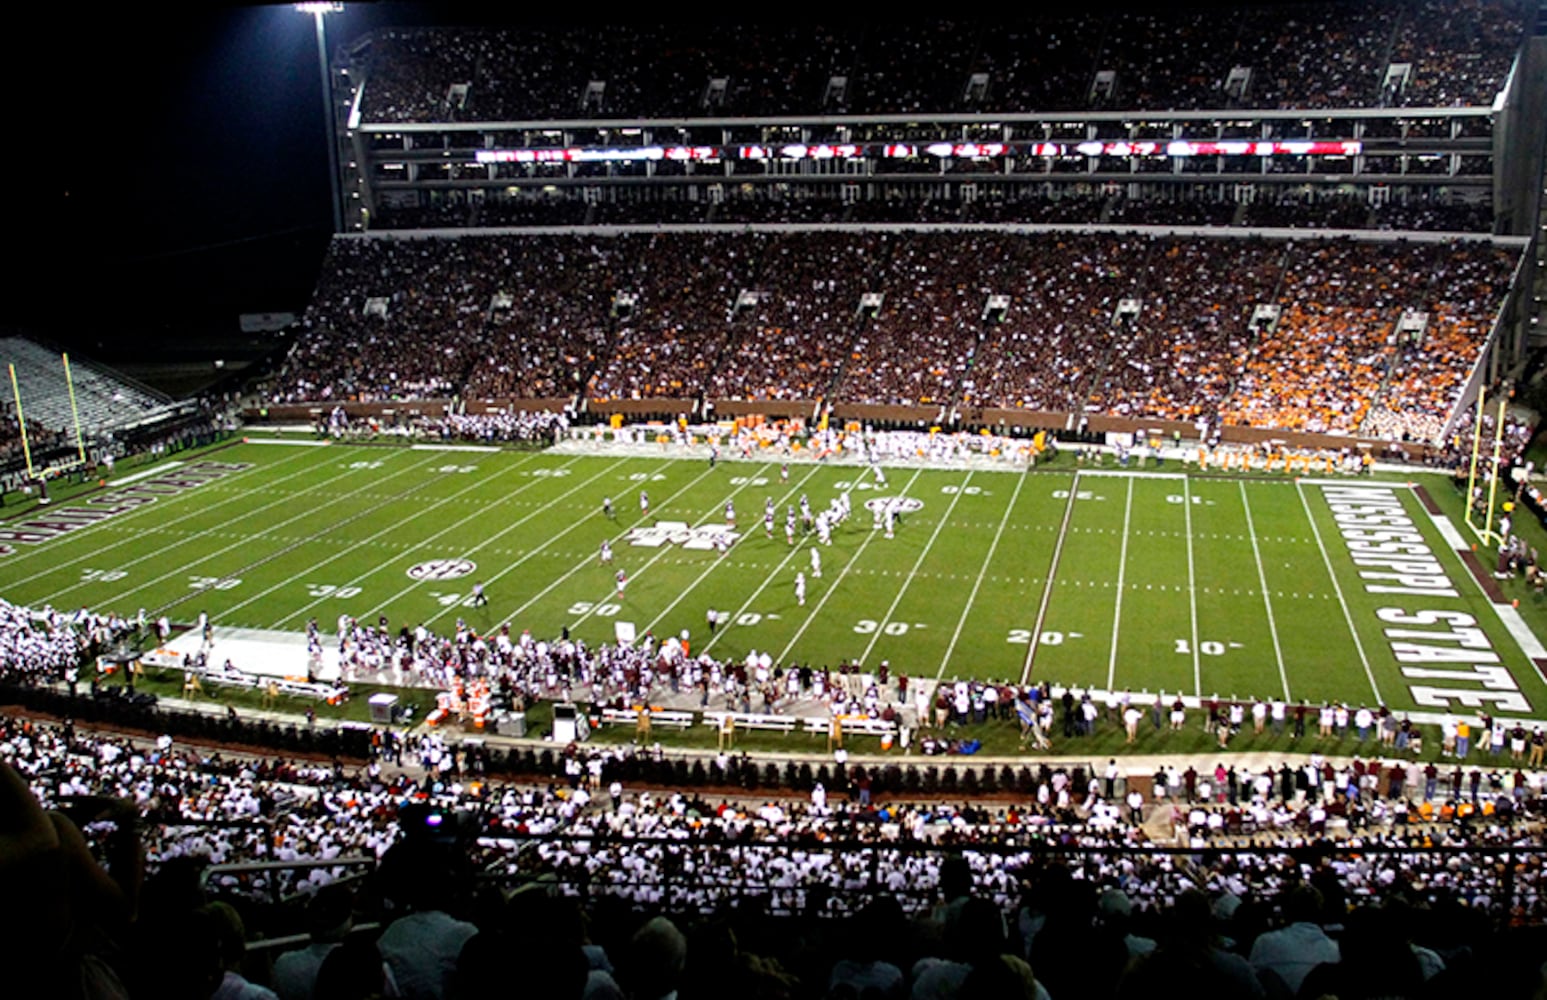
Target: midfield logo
x,y
683,534
442,569
899,505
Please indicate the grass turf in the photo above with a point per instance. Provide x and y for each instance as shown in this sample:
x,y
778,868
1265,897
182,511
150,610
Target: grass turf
x,y
1194,584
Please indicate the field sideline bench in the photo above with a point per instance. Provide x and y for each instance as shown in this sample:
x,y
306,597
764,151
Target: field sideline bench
x,y
753,720
670,718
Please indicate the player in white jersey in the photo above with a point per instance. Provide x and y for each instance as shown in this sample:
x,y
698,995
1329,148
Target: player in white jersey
x,y
824,531
880,476
789,526
800,589
622,579
768,520
607,508
730,513
606,555
816,563
644,504
891,518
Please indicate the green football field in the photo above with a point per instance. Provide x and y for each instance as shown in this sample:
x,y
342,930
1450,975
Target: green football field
x,y
1189,584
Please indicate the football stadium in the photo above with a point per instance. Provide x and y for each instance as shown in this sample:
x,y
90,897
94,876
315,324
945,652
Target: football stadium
x,y
1016,505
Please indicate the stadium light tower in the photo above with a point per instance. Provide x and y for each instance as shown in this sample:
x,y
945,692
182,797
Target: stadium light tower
x,y
319,13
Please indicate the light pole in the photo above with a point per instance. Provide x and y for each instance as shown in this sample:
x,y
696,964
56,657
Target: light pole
x,y
319,11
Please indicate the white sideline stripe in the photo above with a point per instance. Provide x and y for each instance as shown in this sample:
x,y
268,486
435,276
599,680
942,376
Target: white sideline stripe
x,y
1338,589
1052,574
1517,627
1192,589
1126,474
716,563
452,447
1359,481
913,573
397,557
1447,530
1122,568
293,444
445,609
1509,617
1145,698
978,583
158,470
784,654
142,511
204,557
1267,601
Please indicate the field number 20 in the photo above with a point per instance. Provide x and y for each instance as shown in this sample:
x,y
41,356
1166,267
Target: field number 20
x,y
1022,637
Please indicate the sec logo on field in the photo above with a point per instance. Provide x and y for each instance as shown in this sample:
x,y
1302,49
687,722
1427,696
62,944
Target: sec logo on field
x,y
442,569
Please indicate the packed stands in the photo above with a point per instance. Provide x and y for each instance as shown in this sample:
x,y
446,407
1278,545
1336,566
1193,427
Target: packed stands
x,y
1178,360
778,316
685,285
1047,354
1304,56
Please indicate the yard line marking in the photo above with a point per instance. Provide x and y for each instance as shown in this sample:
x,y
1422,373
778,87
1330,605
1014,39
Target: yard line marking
x,y
717,563
452,447
876,635
784,653
664,549
1338,589
146,474
581,564
1122,567
1052,574
1267,603
122,519
1192,591
501,534
247,540
978,583
293,444
475,484
216,532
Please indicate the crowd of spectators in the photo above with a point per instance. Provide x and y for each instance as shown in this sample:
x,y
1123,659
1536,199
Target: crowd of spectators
x,y
686,285
1305,56
1206,205
1048,352
925,897
1179,359
920,344
765,316
1426,377
809,288
1324,364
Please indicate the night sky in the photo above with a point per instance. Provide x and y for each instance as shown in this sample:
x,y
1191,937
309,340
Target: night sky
x,y
167,168
171,171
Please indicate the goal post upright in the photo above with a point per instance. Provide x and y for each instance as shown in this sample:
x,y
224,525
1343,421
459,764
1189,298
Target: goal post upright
x,y
75,414
21,423
1477,444
1493,475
